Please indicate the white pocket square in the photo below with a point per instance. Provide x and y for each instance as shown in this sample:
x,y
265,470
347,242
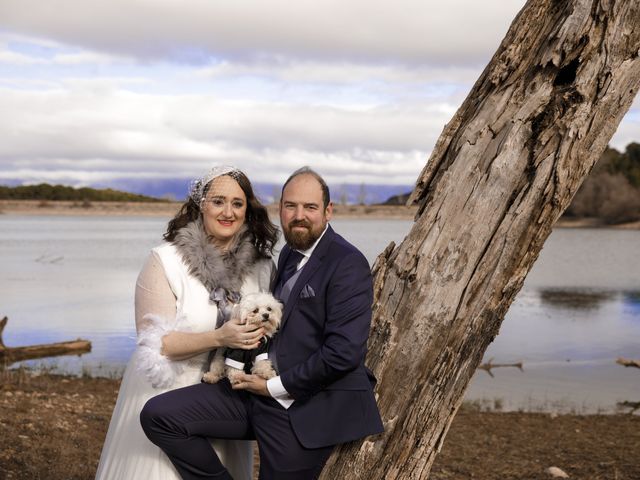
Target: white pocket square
x,y
307,292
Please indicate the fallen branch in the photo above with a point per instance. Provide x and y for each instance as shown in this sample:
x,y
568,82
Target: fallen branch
x,y
489,365
628,363
632,405
10,355
3,323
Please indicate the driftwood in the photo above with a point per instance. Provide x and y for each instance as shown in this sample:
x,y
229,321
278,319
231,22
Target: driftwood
x,y
10,355
490,365
633,406
628,363
504,169
3,323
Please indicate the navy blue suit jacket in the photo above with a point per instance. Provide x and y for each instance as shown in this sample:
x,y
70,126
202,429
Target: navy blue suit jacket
x,y
322,343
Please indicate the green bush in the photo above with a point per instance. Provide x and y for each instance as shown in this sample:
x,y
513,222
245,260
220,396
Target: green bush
x,y
46,192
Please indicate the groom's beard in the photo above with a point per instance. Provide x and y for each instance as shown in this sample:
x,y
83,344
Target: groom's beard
x,y
302,239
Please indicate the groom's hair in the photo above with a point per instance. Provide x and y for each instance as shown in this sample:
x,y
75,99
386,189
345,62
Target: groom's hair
x,y
326,197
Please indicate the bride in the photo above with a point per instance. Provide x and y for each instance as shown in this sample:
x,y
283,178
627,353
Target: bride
x,y
217,248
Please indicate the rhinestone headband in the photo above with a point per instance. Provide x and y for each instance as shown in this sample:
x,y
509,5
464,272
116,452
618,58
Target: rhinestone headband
x,y
198,187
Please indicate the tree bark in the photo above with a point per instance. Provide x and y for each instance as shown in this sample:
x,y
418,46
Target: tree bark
x,y
501,173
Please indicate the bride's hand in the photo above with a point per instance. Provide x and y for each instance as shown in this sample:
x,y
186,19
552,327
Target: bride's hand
x,y
234,335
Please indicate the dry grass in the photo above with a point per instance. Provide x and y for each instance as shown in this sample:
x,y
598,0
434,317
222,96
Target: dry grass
x,y
52,427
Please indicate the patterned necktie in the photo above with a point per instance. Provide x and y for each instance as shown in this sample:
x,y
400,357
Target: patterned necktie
x,y
290,267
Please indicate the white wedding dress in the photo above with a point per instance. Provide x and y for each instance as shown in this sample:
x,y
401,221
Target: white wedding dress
x,y
127,453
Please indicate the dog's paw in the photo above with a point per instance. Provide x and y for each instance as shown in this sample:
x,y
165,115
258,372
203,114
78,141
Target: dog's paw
x,y
233,374
211,377
264,369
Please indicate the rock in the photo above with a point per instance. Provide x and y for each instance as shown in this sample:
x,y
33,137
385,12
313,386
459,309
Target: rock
x,y
556,472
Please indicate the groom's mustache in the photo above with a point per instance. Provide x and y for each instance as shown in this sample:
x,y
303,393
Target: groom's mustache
x,y
299,223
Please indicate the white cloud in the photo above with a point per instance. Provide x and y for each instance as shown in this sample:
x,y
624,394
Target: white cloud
x,y
628,131
97,91
409,31
18,58
89,58
134,132
340,72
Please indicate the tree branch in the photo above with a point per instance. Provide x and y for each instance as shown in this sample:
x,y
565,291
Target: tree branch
x,y
488,366
10,355
628,363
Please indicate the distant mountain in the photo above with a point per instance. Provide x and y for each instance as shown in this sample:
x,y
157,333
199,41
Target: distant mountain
x,y
398,199
178,188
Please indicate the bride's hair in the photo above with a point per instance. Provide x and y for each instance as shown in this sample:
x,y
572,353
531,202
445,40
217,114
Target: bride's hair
x,y
264,233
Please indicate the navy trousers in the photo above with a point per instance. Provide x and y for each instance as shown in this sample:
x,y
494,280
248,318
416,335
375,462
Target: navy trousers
x,y
180,421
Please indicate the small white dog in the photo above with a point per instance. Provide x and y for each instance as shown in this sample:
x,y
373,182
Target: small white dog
x,y
260,309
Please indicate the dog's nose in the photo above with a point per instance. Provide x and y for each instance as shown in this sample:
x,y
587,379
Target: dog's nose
x,y
265,316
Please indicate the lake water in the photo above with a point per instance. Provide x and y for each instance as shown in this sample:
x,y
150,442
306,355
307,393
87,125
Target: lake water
x,y
67,277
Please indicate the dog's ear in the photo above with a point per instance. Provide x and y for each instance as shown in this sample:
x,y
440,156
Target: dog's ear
x,y
236,312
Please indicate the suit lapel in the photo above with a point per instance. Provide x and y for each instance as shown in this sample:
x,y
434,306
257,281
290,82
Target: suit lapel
x,y
282,258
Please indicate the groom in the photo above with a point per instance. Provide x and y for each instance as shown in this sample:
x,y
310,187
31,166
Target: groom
x,y
324,393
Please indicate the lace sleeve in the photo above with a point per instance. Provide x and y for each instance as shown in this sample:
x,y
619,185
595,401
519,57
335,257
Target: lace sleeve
x,y
155,309
153,293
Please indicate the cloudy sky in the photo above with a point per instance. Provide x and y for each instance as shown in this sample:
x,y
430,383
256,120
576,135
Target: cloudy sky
x,y
94,92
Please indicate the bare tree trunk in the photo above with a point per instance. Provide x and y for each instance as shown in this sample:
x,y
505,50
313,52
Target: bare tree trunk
x,y
502,172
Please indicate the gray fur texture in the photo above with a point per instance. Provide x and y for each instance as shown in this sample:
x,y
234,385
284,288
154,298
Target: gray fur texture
x,y
213,267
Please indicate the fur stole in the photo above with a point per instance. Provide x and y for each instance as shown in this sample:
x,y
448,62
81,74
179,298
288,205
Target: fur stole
x,y
214,268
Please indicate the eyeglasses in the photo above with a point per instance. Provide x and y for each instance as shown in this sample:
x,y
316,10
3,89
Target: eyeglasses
x,y
221,202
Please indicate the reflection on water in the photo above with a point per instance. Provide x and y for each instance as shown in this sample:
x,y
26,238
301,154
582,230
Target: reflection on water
x,y
568,341
631,303
68,277
574,299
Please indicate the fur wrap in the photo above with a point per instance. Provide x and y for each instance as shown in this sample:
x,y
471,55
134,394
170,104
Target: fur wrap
x,y
216,269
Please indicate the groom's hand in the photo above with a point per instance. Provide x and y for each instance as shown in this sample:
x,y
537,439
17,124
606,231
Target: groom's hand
x,y
253,384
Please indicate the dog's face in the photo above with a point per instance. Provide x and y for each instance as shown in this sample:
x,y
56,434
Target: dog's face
x,y
261,309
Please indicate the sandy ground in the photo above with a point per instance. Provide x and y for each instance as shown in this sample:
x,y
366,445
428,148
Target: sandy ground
x,y
52,427
168,209
35,207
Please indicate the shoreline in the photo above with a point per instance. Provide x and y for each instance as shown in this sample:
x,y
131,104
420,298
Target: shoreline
x,y
53,427
169,209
